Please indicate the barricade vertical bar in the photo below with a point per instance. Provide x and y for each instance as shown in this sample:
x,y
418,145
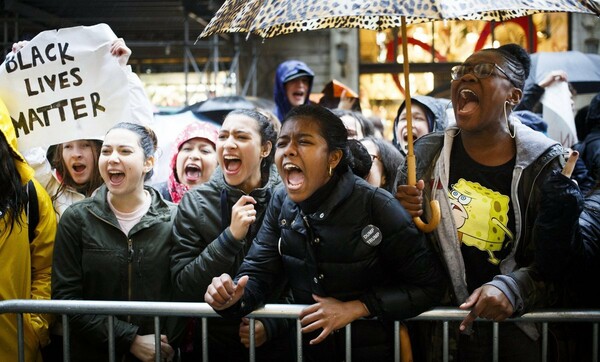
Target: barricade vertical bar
x,y
157,349
20,340
252,341
495,339
111,338
204,340
66,338
544,342
397,341
349,342
299,356
445,342
595,343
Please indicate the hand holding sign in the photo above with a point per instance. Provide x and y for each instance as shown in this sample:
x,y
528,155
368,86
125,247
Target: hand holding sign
x,y
65,85
121,51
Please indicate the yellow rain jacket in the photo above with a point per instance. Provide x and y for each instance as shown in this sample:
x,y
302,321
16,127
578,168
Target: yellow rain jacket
x,y
25,267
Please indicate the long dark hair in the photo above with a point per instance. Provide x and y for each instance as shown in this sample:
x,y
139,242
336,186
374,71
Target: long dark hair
x,y
391,159
13,197
88,188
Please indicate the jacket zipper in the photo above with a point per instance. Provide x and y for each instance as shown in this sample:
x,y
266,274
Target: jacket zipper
x,y
129,271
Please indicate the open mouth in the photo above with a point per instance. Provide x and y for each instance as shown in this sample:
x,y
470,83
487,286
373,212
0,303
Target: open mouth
x,y
116,177
193,172
294,176
405,135
231,164
468,101
78,168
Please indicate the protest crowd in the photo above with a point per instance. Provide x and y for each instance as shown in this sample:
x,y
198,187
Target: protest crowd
x,y
306,203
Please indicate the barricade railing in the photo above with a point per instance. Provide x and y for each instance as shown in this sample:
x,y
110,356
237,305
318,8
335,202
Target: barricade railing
x,y
289,311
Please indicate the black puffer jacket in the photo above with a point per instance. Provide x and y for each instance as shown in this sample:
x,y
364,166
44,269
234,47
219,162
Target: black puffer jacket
x,y
205,248
359,245
588,249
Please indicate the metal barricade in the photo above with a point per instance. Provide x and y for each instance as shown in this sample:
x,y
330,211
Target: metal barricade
x,y
290,311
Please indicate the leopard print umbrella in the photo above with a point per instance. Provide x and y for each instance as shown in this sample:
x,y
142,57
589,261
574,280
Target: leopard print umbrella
x,y
268,18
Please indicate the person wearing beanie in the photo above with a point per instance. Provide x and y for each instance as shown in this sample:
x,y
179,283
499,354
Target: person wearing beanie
x,y
428,115
293,84
193,161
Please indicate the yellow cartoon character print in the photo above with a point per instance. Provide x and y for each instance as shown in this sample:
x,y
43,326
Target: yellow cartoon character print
x,y
481,217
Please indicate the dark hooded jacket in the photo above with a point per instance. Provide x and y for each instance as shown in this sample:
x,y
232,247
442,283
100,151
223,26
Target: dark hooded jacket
x,y
437,119
287,71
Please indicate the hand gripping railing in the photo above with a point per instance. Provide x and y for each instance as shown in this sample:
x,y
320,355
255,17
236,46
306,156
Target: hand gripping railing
x,y
290,311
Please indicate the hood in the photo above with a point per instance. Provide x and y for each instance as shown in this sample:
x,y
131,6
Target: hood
x,y
532,120
592,119
7,129
437,118
287,71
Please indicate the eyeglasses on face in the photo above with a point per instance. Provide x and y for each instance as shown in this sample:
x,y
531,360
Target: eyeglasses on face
x,y
480,70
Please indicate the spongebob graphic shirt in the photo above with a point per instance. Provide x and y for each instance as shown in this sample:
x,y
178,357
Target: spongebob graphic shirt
x,y
482,209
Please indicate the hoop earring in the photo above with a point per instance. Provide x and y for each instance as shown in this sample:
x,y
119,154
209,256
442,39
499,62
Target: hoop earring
x,y
512,135
330,171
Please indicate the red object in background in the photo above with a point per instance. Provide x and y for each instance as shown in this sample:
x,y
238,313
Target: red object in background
x,y
523,22
390,56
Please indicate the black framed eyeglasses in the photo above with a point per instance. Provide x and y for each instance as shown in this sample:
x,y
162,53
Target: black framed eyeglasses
x,y
480,70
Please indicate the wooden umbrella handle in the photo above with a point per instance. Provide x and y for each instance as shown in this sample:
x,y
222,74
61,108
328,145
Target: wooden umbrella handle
x,y
410,157
433,204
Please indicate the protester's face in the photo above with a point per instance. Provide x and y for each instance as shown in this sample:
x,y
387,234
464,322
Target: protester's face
x,y
376,176
353,127
303,158
196,162
240,152
479,103
420,126
122,163
296,91
79,159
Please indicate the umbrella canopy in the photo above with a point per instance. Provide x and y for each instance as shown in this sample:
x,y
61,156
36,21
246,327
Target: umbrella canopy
x,y
583,70
217,108
268,18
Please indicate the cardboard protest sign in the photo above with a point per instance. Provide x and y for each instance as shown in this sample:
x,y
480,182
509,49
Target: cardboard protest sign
x,y
558,113
64,85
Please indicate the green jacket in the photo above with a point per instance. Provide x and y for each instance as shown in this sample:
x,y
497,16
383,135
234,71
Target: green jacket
x,y
96,261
